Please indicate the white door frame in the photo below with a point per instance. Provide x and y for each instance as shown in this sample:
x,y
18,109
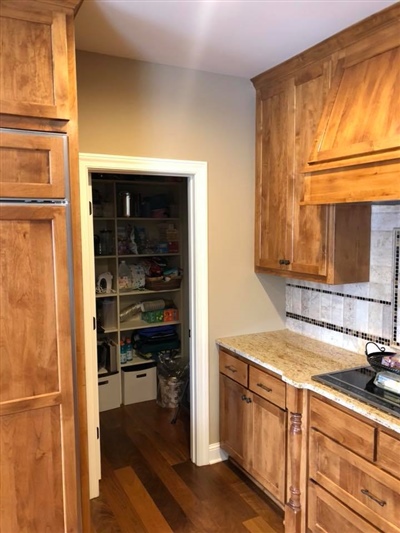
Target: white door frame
x,y
196,174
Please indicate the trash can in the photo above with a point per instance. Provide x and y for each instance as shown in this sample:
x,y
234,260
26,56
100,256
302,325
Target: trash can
x,y
172,373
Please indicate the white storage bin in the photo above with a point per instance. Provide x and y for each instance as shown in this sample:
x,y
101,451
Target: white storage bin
x,y
139,383
109,392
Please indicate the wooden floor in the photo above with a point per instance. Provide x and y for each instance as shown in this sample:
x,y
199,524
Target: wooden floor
x,y
149,484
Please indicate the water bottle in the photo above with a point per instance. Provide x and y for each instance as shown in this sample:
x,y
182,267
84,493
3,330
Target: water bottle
x,y
122,351
124,277
129,349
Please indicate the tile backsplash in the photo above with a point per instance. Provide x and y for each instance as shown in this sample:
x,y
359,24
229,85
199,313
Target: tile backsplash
x,y
349,315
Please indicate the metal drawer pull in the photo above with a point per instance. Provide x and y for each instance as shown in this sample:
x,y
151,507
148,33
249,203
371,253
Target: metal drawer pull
x,y
367,493
264,387
231,368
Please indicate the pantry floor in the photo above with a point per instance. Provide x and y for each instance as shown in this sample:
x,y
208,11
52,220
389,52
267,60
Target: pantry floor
x,y
149,484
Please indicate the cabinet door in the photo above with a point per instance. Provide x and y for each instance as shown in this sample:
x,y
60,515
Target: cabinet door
x,y
275,149
235,420
360,121
34,63
268,465
37,428
309,223
32,164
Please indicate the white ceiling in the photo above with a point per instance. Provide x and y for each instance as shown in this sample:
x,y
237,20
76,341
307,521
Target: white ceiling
x,y
234,37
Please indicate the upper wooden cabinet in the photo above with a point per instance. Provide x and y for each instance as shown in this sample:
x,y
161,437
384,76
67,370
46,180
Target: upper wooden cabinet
x,y
322,243
333,136
356,153
34,40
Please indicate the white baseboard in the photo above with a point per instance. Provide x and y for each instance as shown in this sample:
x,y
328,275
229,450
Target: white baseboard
x,y
216,454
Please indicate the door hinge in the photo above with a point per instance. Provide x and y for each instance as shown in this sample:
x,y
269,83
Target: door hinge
x,y
98,432
94,322
90,207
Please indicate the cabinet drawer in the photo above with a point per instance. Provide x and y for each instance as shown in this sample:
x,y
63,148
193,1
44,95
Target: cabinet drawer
x,y
326,514
32,164
233,368
265,385
343,427
388,453
370,492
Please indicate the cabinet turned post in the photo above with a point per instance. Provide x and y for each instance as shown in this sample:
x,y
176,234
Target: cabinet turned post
x,y
293,506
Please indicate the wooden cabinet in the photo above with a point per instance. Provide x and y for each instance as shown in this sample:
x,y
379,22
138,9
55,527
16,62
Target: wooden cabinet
x,y
32,164
327,133
356,152
252,428
235,421
34,39
293,240
41,364
349,473
38,461
326,514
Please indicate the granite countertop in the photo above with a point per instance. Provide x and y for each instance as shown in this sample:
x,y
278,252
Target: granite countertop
x,y
296,358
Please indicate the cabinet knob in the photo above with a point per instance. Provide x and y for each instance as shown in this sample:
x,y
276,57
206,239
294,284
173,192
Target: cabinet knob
x,y
243,397
286,262
281,261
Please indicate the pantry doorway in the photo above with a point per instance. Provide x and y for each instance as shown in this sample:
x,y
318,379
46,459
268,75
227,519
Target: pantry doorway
x,y
196,174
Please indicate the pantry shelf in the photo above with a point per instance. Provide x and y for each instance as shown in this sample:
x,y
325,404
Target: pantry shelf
x,y
156,223
141,324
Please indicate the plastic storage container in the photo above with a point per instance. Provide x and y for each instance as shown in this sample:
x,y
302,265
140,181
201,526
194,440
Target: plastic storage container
x,y
139,383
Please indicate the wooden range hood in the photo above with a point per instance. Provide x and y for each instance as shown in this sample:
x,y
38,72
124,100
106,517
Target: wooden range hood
x,y
356,153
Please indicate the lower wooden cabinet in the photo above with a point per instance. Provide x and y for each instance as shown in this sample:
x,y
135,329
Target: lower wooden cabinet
x,y
353,487
235,421
268,464
327,515
252,428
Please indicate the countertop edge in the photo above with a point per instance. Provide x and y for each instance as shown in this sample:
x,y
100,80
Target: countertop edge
x,y
344,400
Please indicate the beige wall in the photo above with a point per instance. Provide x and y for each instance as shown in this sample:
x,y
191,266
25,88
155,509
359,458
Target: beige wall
x,y
141,109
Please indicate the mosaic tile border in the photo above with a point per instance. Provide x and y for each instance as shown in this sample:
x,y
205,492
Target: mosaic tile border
x,y
342,294
396,284
339,329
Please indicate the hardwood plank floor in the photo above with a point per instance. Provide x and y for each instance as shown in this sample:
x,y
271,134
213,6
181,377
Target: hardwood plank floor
x,y
149,484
